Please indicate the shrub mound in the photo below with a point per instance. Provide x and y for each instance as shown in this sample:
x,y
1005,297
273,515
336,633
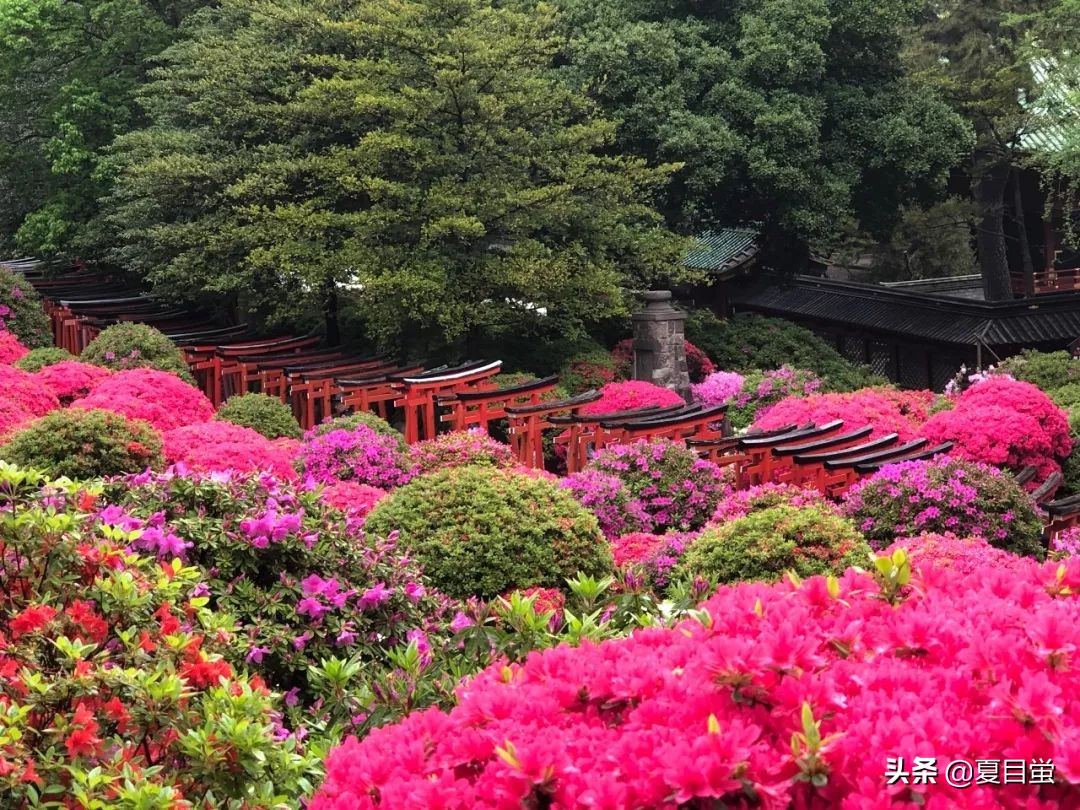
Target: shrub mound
x,y
12,350
355,500
788,694
110,667
676,488
23,398
1047,370
349,421
223,446
945,495
157,397
37,359
480,531
608,498
766,543
70,380
888,410
592,368
740,503
458,448
970,556
262,413
82,444
21,313
1007,423
625,396
135,345
761,390
357,454
718,388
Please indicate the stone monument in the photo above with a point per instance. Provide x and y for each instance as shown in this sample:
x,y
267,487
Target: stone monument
x,y
659,350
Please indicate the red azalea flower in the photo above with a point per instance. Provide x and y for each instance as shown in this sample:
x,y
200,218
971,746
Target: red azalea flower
x,y
83,739
31,619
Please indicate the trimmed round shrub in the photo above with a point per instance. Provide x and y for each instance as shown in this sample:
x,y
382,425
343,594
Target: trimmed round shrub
x,y
888,410
458,448
607,497
632,394
70,380
355,500
717,388
158,397
970,556
479,531
37,359
21,312
1047,370
740,503
763,545
676,488
352,420
262,413
1067,397
136,345
945,495
222,446
82,444
359,454
22,398
11,350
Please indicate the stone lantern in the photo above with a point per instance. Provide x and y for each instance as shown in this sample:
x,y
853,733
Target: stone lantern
x,y
659,338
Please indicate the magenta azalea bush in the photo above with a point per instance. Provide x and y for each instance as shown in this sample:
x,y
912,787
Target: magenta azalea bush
x,y
458,448
70,380
945,495
969,556
610,500
783,695
223,446
676,489
11,349
158,397
358,454
630,395
717,389
354,499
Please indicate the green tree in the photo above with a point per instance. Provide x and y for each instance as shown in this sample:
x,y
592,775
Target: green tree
x,y
419,156
67,74
792,114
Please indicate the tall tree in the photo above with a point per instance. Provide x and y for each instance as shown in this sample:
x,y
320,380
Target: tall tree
x,y
420,154
67,74
792,114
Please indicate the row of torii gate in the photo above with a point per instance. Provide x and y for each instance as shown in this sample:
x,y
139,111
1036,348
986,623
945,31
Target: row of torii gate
x,y
319,382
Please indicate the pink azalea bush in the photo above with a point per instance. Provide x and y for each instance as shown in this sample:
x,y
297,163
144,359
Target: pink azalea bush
x,y
11,348
676,488
222,446
632,394
740,503
889,411
794,695
354,499
718,388
70,380
605,495
358,454
1066,543
945,495
157,397
23,398
968,556
636,548
457,448
1005,422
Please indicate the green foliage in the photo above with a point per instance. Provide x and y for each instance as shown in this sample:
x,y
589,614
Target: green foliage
x,y
82,444
930,242
1047,370
136,345
264,414
352,420
21,312
421,153
481,532
1067,397
765,544
37,359
592,367
754,342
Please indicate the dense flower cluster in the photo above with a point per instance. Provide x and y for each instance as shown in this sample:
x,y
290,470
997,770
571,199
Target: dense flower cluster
x,y
608,498
969,556
458,448
717,389
789,694
157,397
632,394
22,398
889,411
676,489
1066,543
698,364
221,446
636,548
70,380
11,349
739,503
358,454
354,499
945,495
1007,423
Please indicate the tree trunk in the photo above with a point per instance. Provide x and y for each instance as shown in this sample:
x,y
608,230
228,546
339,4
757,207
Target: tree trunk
x,y
988,189
1025,245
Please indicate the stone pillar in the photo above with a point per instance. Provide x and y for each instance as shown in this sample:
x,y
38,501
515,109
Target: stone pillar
x,y
659,350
